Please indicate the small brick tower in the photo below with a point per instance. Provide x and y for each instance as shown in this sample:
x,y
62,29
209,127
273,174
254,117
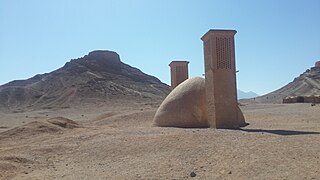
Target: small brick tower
x,y
220,77
179,72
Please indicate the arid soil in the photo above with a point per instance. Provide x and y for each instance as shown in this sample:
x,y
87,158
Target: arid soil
x,y
118,142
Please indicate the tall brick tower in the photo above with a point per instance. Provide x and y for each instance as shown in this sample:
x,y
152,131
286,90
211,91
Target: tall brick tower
x,y
220,76
179,72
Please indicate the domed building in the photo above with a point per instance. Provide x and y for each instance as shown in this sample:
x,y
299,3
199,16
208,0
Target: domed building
x,y
205,102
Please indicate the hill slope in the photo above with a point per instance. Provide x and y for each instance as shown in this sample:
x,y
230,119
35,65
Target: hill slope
x,y
99,76
306,84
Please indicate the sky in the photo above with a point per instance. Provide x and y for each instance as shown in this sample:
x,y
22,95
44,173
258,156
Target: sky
x,y
276,40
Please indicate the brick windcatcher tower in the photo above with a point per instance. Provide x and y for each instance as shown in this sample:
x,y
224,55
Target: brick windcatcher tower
x,y
220,77
179,72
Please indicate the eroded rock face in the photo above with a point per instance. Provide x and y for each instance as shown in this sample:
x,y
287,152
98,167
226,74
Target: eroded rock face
x,y
186,106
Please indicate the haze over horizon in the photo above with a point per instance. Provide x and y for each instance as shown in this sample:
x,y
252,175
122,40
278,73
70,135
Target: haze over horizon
x,y
276,41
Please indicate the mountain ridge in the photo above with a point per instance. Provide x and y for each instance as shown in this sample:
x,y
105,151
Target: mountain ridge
x,y
245,95
97,77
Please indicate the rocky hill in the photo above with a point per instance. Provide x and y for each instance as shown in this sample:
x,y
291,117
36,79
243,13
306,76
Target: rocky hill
x,y
99,76
306,84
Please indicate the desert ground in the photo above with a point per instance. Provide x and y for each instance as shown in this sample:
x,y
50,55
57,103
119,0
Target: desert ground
x,y
117,141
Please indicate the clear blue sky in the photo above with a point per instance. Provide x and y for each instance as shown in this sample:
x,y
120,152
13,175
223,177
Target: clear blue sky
x,y
276,41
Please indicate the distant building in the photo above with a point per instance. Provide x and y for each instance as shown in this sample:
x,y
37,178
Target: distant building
x,y
302,99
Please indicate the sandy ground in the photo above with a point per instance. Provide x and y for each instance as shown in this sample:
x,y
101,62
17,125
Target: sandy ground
x,y
281,142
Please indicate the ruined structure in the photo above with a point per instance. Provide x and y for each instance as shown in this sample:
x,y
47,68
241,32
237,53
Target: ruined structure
x,y
220,76
302,99
179,72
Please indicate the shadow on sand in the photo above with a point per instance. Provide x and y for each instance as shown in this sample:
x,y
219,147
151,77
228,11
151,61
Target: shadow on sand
x,y
280,132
